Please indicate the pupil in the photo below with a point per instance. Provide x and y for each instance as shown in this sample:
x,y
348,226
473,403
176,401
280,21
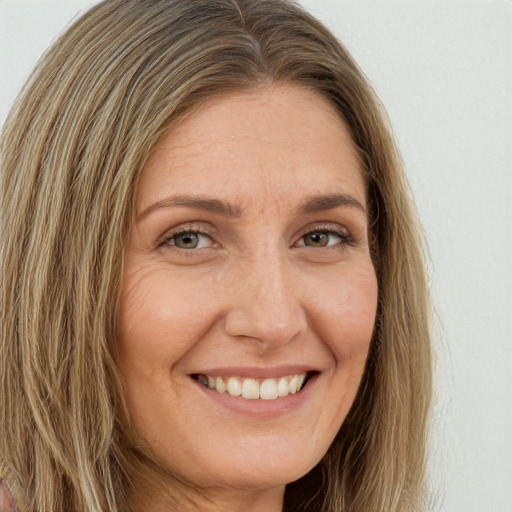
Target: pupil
x,y
187,241
317,238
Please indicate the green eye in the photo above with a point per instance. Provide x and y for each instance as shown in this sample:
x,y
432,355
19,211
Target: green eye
x,y
186,240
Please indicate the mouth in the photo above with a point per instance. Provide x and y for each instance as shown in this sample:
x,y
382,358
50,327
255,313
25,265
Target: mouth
x,y
255,389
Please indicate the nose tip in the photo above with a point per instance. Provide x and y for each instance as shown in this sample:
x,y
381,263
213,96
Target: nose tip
x,y
267,308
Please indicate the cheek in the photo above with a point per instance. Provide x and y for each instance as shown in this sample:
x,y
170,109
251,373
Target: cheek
x,y
344,316
347,310
159,316
348,319
158,323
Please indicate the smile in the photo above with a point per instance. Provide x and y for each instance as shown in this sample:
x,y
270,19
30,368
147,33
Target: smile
x,y
253,389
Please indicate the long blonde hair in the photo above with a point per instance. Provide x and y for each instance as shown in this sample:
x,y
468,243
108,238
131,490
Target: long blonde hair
x,y
71,153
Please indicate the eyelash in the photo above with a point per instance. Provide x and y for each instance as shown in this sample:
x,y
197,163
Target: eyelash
x,y
345,238
183,230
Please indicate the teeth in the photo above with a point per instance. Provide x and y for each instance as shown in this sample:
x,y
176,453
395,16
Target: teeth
x,y
203,380
220,386
252,389
282,386
292,385
268,389
234,386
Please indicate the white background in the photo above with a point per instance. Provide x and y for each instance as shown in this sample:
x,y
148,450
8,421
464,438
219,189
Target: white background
x,y
443,70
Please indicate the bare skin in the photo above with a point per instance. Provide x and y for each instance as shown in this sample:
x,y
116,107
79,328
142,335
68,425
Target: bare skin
x,y
248,264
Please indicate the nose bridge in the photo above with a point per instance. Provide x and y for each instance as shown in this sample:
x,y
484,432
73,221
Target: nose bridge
x,y
268,307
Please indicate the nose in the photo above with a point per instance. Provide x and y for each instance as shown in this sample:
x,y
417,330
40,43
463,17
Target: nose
x,y
267,306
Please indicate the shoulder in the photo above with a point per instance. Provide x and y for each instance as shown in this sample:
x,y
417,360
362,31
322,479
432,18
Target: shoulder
x,y
7,503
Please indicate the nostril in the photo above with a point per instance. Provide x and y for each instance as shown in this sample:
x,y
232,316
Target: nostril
x,y
265,324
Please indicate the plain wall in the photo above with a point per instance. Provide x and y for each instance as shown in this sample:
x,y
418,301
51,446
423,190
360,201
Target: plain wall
x,y
443,70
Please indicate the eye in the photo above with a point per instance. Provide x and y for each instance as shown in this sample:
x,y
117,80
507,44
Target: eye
x,y
188,240
323,238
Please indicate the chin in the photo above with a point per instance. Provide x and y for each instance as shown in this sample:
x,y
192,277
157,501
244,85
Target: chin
x,y
257,464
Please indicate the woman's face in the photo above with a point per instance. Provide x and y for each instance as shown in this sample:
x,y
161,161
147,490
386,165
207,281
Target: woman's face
x,y
247,271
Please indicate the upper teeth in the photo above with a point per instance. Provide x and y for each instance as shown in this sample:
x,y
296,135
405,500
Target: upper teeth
x,y
267,389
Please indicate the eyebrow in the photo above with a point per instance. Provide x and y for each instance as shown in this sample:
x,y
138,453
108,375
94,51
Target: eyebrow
x,y
314,204
201,203
310,204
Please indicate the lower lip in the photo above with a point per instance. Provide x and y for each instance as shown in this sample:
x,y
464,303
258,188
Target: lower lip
x,y
260,407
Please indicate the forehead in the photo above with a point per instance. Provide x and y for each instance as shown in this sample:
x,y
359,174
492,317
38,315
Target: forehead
x,y
268,141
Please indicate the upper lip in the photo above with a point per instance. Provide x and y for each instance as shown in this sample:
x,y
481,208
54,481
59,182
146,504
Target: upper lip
x,y
259,372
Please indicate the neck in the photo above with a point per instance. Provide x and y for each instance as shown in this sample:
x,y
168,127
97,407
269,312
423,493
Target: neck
x,y
207,500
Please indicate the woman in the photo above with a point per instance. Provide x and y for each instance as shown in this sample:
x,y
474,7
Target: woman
x,y
213,295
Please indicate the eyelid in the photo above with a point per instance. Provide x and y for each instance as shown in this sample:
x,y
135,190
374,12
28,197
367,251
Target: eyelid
x,y
195,228
336,230
204,229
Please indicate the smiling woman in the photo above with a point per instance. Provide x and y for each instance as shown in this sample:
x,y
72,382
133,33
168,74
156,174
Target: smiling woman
x,y
212,277
271,366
